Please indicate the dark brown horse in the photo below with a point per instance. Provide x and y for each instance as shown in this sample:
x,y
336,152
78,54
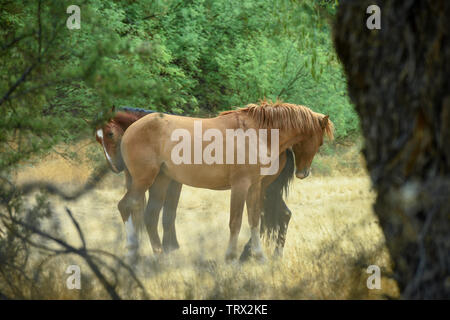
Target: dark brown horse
x,y
276,214
175,145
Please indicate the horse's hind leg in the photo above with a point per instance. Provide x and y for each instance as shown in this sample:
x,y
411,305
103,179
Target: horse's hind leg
x,y
169,214
157,196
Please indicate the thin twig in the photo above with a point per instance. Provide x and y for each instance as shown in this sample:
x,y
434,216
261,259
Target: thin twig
x,y
77,226
54,190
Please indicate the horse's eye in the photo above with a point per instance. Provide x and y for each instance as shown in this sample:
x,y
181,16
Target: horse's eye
x,y
110,134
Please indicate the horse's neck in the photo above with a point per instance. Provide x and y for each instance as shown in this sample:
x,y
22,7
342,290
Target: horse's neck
x,y
287,139
125,122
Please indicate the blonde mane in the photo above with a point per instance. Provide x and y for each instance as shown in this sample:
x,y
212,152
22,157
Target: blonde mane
x,y
285,116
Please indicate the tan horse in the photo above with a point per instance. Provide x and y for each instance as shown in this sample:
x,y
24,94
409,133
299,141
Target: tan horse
x,y
276,214
148,147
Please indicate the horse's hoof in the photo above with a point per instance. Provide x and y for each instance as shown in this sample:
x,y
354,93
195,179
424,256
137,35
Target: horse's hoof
x,y
260,257
245,256
230,257
246,253
169,249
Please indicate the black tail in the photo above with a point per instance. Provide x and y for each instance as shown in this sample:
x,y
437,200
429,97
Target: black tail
x,y
280,187
275,209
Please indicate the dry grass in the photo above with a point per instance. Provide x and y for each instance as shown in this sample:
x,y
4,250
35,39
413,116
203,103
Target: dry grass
x,y
332,238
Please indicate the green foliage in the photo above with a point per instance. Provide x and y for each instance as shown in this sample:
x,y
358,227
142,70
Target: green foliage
x,y
188,57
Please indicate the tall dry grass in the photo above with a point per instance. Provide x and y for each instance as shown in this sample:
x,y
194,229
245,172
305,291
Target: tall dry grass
x,y
332,238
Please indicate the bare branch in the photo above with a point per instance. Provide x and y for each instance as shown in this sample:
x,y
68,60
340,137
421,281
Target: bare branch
x,y
54,190
77,226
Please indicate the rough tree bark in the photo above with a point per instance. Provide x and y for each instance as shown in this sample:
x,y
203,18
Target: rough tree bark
x,y
399,80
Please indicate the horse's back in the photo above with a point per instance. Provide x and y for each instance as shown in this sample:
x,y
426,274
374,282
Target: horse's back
x,y
161,141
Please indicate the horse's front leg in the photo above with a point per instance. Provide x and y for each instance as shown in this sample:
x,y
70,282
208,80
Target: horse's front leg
x,y
238,195
131,207
254,219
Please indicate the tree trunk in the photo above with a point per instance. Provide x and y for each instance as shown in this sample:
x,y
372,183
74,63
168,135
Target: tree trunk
x,y
399,80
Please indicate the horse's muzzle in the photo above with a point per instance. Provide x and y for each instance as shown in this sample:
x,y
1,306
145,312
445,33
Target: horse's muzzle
x,y
113,167
302,174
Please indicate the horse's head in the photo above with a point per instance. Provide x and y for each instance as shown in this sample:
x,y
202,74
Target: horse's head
x,y
110,136
307,148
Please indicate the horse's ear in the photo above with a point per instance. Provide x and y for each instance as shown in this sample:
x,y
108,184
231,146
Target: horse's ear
x,y
113,109
87,121
324,122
